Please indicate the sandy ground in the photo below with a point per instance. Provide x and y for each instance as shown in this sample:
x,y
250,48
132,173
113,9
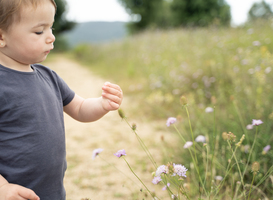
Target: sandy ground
x,y
106,177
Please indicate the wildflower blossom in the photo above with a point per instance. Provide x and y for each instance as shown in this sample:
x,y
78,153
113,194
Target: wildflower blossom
x,y
256,122
179,170
246,148
163,169
266,149
120,153
188,144
218,178
256,43
267,70
231,136
200,138
166,186
96,152
241,140
156,180
171,120
249,127
209,110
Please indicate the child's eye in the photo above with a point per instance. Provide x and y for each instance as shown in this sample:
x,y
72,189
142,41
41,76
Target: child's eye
x,y
39,33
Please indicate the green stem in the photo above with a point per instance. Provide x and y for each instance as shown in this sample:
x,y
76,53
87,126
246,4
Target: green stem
x,y
251,184
251,151
237,163
191,133
195,161
119,170
144,147
213,149
138,177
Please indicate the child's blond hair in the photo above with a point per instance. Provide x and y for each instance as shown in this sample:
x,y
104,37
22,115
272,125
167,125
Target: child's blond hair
x,y
10,10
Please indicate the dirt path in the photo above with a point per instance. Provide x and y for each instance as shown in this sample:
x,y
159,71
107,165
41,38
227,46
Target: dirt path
x,y
103,178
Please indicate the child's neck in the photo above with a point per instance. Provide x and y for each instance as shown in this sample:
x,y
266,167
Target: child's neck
x,y
12,64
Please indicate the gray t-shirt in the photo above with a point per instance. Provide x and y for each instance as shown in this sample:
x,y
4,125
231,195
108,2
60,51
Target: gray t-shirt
x,y
32,136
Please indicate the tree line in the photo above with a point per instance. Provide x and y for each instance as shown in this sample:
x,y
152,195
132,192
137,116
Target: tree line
x,y
186,13
168,14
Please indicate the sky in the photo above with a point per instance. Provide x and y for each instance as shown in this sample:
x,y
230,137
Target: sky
x,y
111,10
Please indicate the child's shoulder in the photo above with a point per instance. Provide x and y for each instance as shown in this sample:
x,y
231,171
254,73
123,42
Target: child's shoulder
x,y
40,67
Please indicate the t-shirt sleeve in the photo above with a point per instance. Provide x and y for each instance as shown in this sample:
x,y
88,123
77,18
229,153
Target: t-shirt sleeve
x,y
66,93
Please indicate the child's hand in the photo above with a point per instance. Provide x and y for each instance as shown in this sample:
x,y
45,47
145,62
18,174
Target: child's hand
x,y
111,96
16,192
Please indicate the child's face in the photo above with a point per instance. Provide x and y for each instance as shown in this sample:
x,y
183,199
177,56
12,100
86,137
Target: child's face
x,y
30,40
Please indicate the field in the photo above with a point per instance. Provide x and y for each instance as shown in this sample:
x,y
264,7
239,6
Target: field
x,y
226,76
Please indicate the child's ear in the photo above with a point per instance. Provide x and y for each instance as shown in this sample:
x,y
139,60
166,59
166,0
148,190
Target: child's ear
x,y
2,40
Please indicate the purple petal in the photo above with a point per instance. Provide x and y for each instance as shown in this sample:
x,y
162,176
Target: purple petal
x,y
171,120
120,153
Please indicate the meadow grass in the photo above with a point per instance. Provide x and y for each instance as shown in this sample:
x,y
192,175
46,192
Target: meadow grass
x,y
227,70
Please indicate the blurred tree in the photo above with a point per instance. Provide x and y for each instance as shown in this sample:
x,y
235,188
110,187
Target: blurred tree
x,y
200,12
260,10
144,13
61,25
174,13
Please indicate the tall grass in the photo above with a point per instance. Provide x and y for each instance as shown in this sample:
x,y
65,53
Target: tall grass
x,y
228,69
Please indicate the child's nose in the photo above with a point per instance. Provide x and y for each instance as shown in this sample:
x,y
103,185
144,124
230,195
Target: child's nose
x,y
51,38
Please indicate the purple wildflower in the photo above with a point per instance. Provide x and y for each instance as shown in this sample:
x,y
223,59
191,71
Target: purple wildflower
x,y
256,122
218,178
163,169
266,149
200,138
171,120
120,153
209,110
156,180
249,127
166,186
179,170
96,152
188,144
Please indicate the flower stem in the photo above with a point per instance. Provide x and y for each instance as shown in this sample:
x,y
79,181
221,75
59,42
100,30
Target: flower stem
x,y
195,161
242,178
251,150
118,170
191,133
251,184
144,147
138,177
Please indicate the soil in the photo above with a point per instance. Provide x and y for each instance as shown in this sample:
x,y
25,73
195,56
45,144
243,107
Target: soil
x,y
106,177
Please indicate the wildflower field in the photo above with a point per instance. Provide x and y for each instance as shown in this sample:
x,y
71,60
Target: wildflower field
x,y
213,86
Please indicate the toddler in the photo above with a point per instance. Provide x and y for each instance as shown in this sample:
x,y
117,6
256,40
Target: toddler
x,y
32,101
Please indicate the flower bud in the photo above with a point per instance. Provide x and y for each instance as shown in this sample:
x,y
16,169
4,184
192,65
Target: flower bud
x,y
183,100
225,135
134,126
121,113
255,167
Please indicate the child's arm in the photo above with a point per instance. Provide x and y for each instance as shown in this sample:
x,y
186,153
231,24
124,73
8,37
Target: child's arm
x,y
11,191
92,109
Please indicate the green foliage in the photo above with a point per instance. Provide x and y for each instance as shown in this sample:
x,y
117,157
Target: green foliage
x,y
146,12
200,13
61,25
176,13
260,10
